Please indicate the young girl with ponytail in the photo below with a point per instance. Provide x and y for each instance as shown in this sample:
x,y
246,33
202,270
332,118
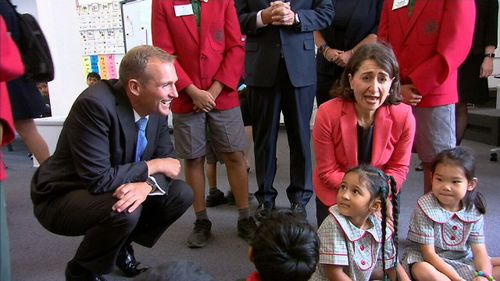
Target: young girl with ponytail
x,y
353,237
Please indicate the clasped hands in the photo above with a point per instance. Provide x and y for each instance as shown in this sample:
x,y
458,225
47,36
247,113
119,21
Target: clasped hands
x,y
410,94
338,57
278,13
131,195
204,100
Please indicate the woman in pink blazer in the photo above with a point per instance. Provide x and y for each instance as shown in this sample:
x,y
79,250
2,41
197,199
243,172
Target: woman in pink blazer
x,y
365,124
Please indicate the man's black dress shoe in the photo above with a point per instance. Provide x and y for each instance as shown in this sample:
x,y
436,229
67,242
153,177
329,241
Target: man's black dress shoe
x,y
83,275
264,210
299,210
126,262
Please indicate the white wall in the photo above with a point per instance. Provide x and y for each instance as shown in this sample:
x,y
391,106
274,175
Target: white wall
x,y
59,22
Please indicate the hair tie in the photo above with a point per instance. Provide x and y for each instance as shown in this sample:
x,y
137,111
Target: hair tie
x,y
384,188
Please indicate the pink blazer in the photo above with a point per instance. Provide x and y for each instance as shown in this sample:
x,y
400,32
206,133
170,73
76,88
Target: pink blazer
x,y
430,45
336,144
215,52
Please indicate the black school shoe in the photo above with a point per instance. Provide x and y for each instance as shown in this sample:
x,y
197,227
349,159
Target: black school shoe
x,y
215,198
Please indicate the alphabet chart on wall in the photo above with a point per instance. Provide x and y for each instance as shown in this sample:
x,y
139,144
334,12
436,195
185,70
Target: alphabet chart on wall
x,y
101,35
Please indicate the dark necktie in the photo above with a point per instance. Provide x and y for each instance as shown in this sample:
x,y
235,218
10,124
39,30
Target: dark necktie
x,y
411,4
196,10
142,141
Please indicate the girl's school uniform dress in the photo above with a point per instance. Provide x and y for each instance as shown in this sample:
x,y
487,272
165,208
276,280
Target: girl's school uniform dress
x,y
344,244
451,233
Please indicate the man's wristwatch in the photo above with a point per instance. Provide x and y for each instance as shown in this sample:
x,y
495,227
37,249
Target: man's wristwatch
x,y
296,20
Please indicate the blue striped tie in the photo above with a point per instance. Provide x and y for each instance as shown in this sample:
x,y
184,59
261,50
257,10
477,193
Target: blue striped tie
x,y
142,141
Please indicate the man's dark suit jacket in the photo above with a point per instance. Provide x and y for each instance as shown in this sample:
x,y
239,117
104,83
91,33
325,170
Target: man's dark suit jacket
x,y
96,148
264,46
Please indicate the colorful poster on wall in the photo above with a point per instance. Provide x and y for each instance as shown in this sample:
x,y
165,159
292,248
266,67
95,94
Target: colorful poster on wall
x,y
101,35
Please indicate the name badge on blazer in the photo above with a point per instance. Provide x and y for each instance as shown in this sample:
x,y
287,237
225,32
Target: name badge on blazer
x,y
183,10
399,4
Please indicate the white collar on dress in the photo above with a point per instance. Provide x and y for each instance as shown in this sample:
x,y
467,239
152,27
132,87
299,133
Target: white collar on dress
x,y
431,208
354,233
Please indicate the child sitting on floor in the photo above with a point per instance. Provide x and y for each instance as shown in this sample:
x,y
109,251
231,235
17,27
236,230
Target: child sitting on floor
x,y
353,237
285,247
446,229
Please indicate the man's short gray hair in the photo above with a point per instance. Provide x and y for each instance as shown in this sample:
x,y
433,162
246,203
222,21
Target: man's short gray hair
x,y
134,62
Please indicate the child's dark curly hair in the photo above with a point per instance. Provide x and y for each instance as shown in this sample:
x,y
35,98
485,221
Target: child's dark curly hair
x,y
285,247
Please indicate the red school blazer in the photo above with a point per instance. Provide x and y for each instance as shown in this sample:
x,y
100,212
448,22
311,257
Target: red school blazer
x,y
215,52
11,66
336,144
430,45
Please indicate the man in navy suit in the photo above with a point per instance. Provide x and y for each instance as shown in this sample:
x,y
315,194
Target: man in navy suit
x,y
280,73
100,184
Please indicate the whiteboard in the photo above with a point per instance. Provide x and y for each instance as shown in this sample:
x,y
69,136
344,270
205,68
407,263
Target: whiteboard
x,y
136,15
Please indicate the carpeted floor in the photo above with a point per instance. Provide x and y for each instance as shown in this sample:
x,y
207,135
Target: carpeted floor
x,y
38,255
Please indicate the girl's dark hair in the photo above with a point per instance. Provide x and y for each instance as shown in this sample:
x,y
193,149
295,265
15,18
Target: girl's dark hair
x,y
465,159
384,57
382,186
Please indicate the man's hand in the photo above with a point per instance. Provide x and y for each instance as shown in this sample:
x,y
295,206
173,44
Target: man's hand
x,y
410,94
282,14
170,167
130,196
267,15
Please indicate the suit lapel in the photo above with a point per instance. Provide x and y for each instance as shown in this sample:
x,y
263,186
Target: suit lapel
x,y
189,21
381,134
348,123
417,10
127,124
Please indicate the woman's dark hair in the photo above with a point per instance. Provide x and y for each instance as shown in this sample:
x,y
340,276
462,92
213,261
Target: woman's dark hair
x,y
384,57
465,159
382,187
285,247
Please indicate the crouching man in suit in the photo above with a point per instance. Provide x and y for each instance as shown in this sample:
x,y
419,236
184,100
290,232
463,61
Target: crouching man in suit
x,y
112,177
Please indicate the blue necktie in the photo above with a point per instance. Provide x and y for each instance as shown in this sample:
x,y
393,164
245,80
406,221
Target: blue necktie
x,y
142,141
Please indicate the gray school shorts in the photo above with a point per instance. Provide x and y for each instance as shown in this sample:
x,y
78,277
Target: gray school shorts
x,y
227,133
435,131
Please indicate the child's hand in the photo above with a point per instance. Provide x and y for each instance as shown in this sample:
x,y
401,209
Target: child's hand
x,y
479,278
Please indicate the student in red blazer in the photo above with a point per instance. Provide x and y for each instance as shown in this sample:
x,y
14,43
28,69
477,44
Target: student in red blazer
x,y
11,66
205,37
431,39
367,112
